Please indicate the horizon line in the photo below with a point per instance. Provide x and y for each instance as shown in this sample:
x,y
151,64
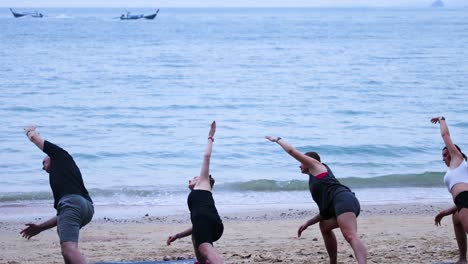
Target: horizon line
x,y
304,6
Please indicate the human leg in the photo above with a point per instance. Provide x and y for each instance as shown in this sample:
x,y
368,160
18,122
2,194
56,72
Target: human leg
x,y
205,231
326,228
209,253
198,255
459,227
73,213
348,225
71,254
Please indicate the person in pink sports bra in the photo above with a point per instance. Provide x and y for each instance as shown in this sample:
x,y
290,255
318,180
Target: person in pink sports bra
x,y
338,206
456,180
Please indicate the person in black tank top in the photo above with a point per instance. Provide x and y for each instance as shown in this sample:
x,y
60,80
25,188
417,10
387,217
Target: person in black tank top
x,y
207,226
337,204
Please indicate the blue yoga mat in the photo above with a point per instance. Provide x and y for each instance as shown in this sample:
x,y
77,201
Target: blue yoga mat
x,y
185,261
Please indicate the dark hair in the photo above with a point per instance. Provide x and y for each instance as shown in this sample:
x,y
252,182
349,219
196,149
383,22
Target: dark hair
x,y
314,155
463,154
212,181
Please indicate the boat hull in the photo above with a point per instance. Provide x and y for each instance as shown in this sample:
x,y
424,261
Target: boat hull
x,y
134,17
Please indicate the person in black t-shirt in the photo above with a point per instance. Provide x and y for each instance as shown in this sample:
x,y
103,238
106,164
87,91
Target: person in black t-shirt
x,y
207,226
71,199
337,204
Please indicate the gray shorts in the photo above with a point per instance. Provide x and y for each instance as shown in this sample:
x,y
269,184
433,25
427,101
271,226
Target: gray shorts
x,y
73,212
346,202
342,203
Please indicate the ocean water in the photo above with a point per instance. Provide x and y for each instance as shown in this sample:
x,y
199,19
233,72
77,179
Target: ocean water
x,y
132,101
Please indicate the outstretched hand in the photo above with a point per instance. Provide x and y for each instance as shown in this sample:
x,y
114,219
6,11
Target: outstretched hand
x,y
438,218
301,229
272,139
30,231
435,120
171,239
29,128
212,130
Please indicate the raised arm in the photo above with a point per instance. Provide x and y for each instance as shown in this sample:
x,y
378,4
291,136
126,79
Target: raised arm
x,y
205,169
314,165
455,154
34,136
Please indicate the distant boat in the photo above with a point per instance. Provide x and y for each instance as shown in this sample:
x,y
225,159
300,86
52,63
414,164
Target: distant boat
x,y
129,16
35,14
437,3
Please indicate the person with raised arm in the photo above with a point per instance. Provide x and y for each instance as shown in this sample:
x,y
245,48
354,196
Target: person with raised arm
x,y
207,226
338,206
71,199
456,180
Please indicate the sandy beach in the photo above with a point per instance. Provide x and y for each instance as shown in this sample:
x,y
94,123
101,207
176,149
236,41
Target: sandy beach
x,y
394,233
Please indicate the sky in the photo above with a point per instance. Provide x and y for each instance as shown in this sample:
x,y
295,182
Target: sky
x,y
226,3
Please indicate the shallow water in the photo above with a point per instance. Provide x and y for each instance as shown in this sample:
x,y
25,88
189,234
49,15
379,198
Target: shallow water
x,y
132,100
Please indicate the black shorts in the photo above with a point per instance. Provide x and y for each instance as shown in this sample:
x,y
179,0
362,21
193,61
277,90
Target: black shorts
x,y
206,230
342,203
461,201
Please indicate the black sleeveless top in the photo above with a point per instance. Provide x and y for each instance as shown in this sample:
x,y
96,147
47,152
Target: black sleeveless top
x,y
201,203
325,189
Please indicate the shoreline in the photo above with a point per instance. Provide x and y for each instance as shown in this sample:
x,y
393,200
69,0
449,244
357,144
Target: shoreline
x,y
393,233
123,207
25,212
